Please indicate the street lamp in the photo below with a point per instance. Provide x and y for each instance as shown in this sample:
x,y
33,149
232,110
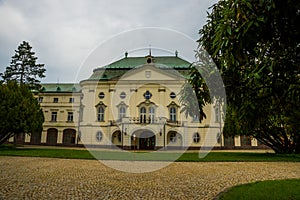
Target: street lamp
x,y
134,137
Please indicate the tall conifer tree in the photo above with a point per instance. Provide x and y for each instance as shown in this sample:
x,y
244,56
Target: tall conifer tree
x,y
23,67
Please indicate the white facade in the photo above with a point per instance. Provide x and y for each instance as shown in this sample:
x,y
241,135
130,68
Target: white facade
x,y
133,103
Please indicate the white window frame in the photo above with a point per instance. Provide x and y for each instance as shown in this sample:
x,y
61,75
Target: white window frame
x,y
70,117
100,114
173,114
54,116
122,112
143,113
99,136
196,137
217,115
151,114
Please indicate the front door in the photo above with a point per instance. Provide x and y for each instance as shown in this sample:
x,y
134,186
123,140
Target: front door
x,y
147,141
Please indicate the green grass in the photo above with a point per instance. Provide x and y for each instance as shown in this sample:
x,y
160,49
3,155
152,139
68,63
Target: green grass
x,y
241,157
46,152
153,156
277,189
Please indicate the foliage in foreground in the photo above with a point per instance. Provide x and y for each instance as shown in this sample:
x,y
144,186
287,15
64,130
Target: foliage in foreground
x,y
276,189
256,47
20,112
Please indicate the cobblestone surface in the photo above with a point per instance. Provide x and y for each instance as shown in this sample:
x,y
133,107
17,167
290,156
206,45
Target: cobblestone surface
x,y
47,178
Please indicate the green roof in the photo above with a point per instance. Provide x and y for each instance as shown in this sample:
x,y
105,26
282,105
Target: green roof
x,y
132,62
60,87
120,67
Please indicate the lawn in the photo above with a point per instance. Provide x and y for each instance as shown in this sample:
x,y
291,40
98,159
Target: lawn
x,y
275,189
153,156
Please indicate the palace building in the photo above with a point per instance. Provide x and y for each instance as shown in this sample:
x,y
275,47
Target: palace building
x,y
132,103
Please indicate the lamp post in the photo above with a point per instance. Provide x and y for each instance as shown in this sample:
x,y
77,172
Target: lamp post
x,y
134,143
134,137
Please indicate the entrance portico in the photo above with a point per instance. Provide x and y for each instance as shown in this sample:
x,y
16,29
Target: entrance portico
x,y
143,139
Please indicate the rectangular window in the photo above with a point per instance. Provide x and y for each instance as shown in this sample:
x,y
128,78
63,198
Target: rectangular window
x,y
151,115
81,113
229,141
173,114
143,115
217,115
100,114
40,99
70,116
55,100
195,118
245,140
54,116
122,112
71,100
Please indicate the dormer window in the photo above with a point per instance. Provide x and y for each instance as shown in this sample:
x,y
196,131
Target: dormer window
x,y
149,60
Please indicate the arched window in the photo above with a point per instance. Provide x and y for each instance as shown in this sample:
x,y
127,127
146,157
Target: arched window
x,y
122,112
143,115
172,114
100,115
151,114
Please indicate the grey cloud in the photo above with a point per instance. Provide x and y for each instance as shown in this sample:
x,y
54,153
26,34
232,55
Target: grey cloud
x,y
64,33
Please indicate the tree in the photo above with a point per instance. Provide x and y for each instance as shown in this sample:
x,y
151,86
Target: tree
x,y
23,67
20,112
205,84
256,47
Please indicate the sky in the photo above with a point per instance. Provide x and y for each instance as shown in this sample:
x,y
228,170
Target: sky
x,y
66,34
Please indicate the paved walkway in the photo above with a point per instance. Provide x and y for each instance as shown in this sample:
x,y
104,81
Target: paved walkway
x,y
47,178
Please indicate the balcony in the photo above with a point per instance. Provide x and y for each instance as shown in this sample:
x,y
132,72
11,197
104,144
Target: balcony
x,y
145,121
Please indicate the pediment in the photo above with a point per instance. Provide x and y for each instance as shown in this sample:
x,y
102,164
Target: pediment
x,y
150,72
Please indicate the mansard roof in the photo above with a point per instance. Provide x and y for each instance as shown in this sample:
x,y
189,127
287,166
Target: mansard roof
x,y
120,67
132,62
60,88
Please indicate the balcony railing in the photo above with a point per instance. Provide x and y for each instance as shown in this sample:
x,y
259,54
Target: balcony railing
x,y
139,120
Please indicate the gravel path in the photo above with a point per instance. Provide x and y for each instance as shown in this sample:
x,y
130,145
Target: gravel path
x,y
47,178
